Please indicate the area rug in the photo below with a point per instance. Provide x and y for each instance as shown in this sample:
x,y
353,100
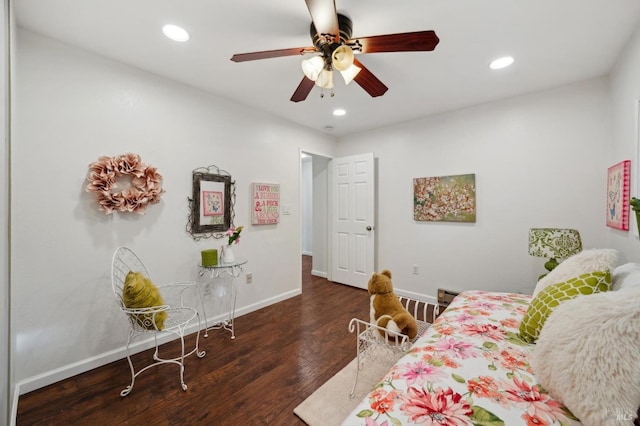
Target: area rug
x,y
330,403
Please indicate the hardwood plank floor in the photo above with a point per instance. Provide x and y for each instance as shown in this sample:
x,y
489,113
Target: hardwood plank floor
x,y
281,354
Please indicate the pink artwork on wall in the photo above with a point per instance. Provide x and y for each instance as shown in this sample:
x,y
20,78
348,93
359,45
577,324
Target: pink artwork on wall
x,y
266,204
618,177
212,203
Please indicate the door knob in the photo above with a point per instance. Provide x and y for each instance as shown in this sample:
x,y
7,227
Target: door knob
x,y
369,228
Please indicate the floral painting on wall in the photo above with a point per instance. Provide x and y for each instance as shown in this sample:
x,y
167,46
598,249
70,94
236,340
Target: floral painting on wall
x,y
445,198
618,195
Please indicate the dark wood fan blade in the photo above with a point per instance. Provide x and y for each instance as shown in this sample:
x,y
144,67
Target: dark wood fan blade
x,y
303,90
404,42
368,81
325,18
266,54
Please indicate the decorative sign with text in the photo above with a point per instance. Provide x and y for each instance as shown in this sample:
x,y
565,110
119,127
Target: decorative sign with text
x,y
266,203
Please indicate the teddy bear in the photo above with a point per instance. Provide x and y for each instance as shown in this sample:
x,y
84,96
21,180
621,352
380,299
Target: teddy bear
x,y
386,310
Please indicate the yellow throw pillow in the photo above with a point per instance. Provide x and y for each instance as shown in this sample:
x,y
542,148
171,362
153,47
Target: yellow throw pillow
x,y
139,292
548,299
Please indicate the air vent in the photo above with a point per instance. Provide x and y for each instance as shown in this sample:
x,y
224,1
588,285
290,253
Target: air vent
x,y
446,296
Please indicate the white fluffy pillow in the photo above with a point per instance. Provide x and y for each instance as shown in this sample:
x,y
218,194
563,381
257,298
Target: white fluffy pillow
x,y
626,276
582,263
588,356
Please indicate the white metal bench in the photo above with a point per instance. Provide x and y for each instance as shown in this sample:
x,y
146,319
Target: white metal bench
x,y
375,342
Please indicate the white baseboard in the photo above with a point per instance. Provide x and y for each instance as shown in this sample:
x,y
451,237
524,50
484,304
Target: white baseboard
x,y
268,302
82,366
316,273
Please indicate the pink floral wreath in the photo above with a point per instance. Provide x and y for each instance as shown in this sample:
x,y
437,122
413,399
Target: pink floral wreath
x,y
145,188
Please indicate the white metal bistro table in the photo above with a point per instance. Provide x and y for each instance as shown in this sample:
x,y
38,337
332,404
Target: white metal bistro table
x,y
218,288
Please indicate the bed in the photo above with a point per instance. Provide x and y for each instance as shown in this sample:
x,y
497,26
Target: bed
x,y
473,366
470,365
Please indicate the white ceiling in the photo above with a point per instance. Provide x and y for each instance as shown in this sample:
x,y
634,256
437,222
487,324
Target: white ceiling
x,y
554,42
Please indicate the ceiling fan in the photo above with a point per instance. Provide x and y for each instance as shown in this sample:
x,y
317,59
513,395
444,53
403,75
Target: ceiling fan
x,y
331,36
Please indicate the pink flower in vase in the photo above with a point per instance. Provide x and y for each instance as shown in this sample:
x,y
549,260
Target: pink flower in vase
x,y
234,234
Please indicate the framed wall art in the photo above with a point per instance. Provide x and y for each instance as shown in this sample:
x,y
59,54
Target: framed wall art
x,y
211,204
445,198
618,179
266,204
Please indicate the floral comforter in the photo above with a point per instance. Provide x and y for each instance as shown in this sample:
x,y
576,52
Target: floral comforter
x,y
469,368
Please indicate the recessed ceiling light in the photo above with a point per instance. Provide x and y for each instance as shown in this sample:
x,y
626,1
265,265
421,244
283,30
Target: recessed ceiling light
x,y
339,112
501,63
175,32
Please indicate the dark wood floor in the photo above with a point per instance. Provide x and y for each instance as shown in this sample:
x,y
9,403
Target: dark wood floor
x,y
281,354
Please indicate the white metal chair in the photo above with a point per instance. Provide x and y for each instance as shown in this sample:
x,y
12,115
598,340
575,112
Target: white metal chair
x,y
142,320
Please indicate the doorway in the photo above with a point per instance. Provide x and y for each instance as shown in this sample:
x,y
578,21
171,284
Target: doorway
x,y
338,216
314,210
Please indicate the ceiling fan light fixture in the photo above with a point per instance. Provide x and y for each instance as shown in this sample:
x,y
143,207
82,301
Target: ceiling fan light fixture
x,y
342,58
350,73
312,67
175,33
325,79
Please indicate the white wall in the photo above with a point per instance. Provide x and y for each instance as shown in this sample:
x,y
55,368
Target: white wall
x,y
6,385
625,96
73,107
320,215
539,161
306,215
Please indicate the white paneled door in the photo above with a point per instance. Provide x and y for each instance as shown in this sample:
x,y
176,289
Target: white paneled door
x,y
352,231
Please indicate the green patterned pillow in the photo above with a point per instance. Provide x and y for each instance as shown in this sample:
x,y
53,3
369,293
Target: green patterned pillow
x,y
546,301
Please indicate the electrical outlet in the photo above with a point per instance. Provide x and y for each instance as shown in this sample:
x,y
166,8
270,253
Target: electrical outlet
x,y
249,277
415,270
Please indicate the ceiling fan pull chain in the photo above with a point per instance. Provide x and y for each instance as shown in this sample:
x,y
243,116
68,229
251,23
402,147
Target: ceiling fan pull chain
x,y
330,93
